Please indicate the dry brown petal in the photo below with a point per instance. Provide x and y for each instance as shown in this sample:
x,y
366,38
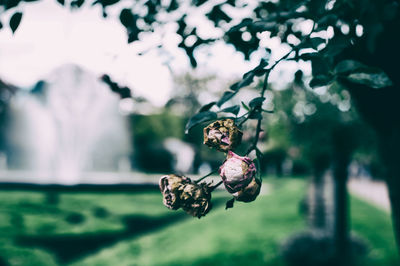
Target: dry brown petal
x,y
223,135
250,192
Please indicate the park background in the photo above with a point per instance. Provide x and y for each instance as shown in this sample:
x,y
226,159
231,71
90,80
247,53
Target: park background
x,y
80,161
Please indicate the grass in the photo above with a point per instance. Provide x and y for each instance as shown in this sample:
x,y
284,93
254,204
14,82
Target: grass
x,y
83,228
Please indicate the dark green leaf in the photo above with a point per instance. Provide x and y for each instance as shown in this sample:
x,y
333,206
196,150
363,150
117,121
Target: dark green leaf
x,y
316,41
229,203
247,80
200,118
233,110
240,120
255,115
260,69
126,17
225,97
325,21
375,80
245,106
321,80
260,26
308,56
259,154
77,3
15,20
257,163
348,66
61,2
207,107
320,66
267,111
256,102
10,4
357,72
1,25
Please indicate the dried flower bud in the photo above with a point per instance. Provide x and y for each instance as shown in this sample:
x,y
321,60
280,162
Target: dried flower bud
x,y
196,199
237,172
224,135
250,192
181,192
170,186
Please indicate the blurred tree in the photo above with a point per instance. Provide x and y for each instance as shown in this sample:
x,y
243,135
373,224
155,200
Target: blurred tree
x,y
6,92
327,131
148,134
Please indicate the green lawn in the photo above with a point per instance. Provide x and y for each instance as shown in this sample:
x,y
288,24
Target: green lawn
x,y
136,229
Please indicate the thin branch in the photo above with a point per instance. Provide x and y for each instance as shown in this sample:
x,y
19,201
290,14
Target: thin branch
x,y
217,185
207,175
265,87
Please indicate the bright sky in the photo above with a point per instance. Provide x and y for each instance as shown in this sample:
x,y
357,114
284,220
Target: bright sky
x,y
50,35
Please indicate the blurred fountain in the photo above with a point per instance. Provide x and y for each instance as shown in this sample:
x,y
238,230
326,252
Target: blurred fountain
x,y
66,126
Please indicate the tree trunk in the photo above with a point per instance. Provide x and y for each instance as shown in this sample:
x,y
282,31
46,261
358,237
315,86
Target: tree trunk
x,y
341,225
316,216
390,149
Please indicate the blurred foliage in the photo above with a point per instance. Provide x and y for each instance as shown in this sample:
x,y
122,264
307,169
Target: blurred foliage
x,y
303,128
148,134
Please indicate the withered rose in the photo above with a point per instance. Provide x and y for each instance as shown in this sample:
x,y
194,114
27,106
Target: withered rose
x,y
250,192
171,186
223,135
181,192
237,172
196,199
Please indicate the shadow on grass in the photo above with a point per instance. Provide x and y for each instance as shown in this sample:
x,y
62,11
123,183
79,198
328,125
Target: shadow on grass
x,y
70,247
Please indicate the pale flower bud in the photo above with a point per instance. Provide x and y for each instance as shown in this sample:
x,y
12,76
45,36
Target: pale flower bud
x,y
223,135
237,172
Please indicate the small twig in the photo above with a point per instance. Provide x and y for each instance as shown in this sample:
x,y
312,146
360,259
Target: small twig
x,y
217,185
207,175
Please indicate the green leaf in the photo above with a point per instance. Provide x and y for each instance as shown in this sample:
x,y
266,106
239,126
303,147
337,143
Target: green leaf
x,y
257,163
240,120
248,77
256,102
259,154
308,56
246,80
61,2
126,17
255,114
245,106
229,203
260,26
316,41
357,72
268,111
207,107
233,110
15,20
200,118
321,80
348,66
225,97
375,80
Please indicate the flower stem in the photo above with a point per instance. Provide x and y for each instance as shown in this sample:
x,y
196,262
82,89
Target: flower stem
x,y
207,175
217,185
